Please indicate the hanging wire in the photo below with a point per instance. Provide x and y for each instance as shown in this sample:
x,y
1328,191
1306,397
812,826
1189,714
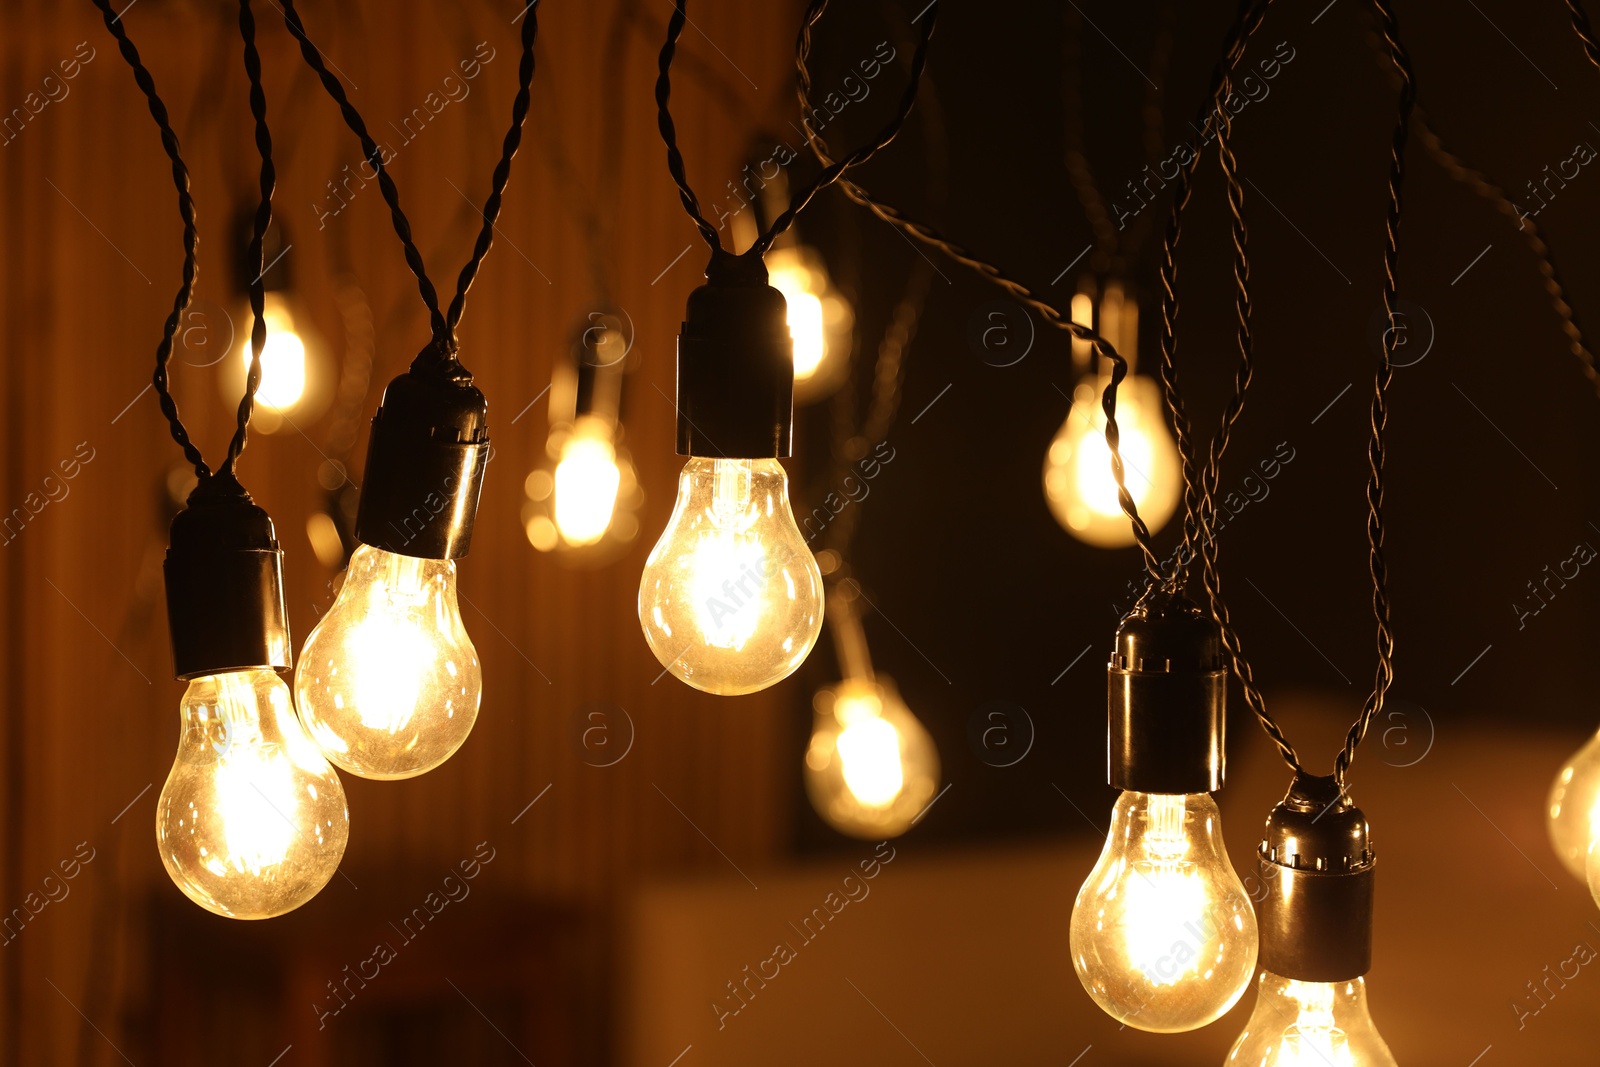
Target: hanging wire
x,y
180,178
831,172
928,236
442,349
1376,450
254,258
1585,31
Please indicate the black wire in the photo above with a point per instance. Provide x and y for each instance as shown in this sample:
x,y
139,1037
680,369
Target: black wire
x,y
831,172
1376,450
180,178
502,174
1585,31
254,258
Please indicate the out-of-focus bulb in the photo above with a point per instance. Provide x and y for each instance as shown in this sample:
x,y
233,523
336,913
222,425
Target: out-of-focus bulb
x,y
586,482
731,597
871,768
819,319
283,359
389,682
1310,1024
1078,483
1573,808
252,821
1163,935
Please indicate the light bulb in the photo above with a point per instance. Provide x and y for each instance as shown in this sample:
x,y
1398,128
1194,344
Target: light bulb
x,y
731,597
283,360
252,821
1573,807
1310,1024
1078,483
1163,935
389,682
871,768
586,482
819,319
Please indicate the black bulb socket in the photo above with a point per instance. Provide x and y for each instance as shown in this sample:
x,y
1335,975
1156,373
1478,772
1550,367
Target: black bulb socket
x,y
1316,863
425,464
1167,689
735,366
224,578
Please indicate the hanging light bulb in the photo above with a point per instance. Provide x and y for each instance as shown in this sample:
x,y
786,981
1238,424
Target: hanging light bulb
x,y
283,360
1163,936
1078,483
252,820
389,682
731,598
1316,936
1573,807
871,768
819,319
586,482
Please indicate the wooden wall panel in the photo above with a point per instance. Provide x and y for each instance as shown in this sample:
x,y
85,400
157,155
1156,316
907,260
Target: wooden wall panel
x,y
89,260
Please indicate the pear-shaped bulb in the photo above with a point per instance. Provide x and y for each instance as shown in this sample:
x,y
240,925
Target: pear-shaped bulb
x,y
871,768
1310,1024
252,821
731,597
389,682
1163,934
1573,807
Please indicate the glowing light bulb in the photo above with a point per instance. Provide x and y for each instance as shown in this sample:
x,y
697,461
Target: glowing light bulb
x,y
731,597
1310,1024
871,768
1573,807
1163,935
586,482
252,821
389,682
283,360
819,319
1078,483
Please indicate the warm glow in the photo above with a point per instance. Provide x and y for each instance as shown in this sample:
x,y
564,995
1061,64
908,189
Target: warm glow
x,y
389,682
806,324
1163,936
252,821
1310,1024
1573,807
731,598
586,482
871,769
1078,482
283,359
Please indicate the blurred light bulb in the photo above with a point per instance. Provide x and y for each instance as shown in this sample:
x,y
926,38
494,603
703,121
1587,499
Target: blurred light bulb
x,y
1163,935
1078,483
389,682
819,319
252,821
1310,1024
731,597
283,359
871,768
586,482
1573,808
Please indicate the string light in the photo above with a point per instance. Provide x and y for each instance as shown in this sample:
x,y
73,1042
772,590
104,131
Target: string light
x,y
390,684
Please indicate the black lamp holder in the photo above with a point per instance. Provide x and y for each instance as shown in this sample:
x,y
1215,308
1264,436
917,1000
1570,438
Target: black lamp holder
x,y
1166,691
735,365
1317,865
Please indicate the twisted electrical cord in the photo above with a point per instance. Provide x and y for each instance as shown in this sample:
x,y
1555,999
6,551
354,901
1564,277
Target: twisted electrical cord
x,y
254,257
832,171
180,178
1585,31
443,346
1376,451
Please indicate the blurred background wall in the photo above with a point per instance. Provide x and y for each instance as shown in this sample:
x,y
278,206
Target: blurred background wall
x,y
621,901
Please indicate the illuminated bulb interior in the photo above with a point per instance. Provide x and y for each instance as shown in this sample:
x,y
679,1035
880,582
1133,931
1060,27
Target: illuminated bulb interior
x,y
586,482
869,749
283,359
806,321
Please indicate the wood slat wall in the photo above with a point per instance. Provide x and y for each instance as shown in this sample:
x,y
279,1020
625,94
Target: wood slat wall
x,y
89,260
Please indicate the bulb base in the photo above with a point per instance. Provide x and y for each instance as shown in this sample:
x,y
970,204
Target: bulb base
x,y
735,366
224,578
425,464
1166,696
1318,869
